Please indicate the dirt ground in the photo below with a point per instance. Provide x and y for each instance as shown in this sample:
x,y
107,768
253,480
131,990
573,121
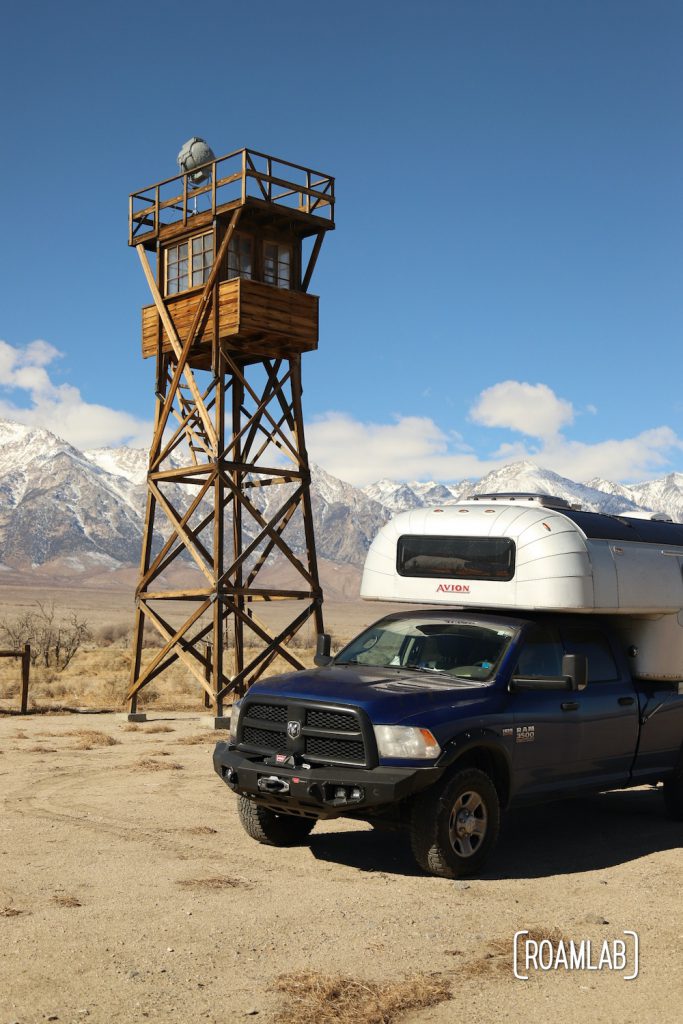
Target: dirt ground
x,y
129,892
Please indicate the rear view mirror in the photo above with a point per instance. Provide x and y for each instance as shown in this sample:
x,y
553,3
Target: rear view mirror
x,y
322,650
574,677
575,668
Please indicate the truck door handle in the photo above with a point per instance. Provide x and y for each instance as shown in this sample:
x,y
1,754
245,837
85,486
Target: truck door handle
x,y
570,705
625,701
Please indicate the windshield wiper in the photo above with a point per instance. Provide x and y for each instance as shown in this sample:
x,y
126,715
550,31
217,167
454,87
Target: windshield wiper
x,y
394,668
419,668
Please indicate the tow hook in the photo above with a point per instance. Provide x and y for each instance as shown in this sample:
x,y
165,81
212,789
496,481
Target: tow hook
x,y
272,784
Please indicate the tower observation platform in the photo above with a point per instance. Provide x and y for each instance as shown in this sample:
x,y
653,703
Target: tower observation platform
x,y
262,301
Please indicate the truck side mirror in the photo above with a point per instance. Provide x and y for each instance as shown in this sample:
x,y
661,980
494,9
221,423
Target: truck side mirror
x,y
575,668
322,650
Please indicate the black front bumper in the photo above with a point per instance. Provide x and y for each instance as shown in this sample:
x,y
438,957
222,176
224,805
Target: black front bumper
x,y
313,792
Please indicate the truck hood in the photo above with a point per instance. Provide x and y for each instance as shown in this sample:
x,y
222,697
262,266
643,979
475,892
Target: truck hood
x,y
387,695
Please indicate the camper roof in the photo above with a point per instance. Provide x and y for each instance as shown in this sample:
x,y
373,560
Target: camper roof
x,y
546,500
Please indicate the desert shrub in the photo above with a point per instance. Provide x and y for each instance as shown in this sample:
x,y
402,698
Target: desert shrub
x,y
112,633
149,695
54,640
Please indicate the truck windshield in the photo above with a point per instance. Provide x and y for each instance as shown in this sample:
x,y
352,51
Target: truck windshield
x,y
468,650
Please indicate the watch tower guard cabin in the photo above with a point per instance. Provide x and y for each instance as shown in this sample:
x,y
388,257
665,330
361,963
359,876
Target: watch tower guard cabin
x,y
228,248
542,657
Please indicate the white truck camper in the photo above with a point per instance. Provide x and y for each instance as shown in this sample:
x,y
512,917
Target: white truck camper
x,y
537,553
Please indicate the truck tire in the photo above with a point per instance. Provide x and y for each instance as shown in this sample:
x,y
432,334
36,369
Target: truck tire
x,y
455,825
273,829
673,793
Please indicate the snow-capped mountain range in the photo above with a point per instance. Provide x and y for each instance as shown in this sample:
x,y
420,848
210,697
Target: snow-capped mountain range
x,y
664,495
82,511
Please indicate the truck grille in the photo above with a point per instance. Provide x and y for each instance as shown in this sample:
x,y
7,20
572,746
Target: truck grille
x,y
326,735
335,750
269,712
275,741
339,721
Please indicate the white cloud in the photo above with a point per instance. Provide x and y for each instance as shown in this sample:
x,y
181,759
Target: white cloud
x,y
631,458
531,409
417,448
60,407
412,447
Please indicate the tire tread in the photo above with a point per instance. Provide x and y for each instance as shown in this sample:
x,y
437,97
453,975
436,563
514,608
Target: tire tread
x,y
673,793
271,829
427,847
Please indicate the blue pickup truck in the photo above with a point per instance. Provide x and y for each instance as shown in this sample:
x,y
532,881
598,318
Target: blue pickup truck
x,y
435,719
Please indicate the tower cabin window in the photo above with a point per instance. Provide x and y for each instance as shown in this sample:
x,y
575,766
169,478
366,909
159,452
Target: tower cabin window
x,y
189,263
240,256
277,264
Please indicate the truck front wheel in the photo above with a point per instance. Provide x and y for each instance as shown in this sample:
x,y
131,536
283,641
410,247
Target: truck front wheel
x,y
673,793
455,825
273,829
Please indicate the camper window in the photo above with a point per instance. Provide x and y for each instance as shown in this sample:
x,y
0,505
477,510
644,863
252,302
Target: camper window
x,y
464,558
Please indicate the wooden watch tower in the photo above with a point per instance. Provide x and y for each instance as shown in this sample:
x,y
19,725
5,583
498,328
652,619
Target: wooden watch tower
x,y
228,250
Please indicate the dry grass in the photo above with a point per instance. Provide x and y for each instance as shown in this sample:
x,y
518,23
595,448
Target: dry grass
x,y
202,830
158,728
99,677
10,911
88,739
220,882
497,957
131,727
63,900
42,750
337,999
148,764
202,737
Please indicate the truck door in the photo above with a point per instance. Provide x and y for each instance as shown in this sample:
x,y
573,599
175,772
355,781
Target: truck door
x,y
546,727
607,710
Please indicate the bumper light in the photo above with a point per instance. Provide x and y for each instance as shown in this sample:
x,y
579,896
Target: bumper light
x,y
406,741
341,794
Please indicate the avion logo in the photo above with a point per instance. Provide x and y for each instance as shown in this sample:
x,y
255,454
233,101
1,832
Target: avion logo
x,y
452,588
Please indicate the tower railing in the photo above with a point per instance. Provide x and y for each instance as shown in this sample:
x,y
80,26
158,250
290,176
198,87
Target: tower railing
x,y
233,179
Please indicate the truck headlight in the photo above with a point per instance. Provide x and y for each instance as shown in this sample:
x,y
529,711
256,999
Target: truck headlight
x,y
406,741
235,711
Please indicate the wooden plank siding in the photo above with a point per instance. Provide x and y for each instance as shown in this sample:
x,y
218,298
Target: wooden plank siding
x,y
246,309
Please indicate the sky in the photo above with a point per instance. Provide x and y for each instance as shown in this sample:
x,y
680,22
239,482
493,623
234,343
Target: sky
x,y
504,281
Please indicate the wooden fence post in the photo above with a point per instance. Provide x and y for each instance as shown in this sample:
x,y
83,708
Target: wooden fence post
x,y
25,669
